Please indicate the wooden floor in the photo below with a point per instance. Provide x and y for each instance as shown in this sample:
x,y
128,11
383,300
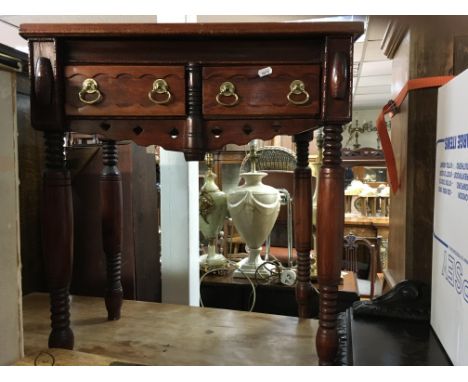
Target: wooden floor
x,y
164,334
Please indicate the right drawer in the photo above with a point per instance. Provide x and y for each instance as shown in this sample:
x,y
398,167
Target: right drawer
x,y
241,91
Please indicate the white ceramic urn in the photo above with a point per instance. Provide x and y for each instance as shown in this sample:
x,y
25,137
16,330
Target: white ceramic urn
x,y
254,208
213,210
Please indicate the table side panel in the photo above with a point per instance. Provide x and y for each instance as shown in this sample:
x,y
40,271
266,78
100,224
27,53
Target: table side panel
x,y
215,51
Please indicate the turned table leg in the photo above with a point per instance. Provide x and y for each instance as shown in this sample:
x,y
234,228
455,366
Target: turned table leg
x,y
57,238
111,214
330,223
303,223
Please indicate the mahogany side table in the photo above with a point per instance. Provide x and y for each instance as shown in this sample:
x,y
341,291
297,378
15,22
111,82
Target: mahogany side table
x,y
192,88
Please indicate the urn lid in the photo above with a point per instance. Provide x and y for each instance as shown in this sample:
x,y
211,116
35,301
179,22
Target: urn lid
x,y
253,177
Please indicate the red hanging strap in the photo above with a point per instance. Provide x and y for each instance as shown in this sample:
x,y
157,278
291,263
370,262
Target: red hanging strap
x,y
392,108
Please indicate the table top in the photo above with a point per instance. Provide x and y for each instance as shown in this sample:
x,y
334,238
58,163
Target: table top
x,y
200,29
64,357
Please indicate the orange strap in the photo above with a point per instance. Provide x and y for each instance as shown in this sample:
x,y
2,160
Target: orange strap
x,y
392,108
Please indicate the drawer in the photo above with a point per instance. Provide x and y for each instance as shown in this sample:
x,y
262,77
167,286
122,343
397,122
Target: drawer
x,y
125,90
289,90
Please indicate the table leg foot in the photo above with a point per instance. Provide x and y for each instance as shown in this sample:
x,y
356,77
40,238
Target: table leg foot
x,y
61,335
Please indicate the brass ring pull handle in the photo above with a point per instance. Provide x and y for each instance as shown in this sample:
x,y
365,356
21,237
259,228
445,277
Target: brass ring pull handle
x,y
90,86
297,87
160,87
227,89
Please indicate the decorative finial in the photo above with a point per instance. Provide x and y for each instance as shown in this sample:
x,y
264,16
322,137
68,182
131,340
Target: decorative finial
x,y
253,145
209,161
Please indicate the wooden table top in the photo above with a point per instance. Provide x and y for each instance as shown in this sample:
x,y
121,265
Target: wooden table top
x,y
63,357
165,334
198,29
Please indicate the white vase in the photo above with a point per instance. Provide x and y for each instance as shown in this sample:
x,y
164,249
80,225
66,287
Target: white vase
x,y
254,208
213,210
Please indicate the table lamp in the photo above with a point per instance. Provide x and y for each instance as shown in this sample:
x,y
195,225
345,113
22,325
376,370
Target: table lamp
x,y
212,213
254,208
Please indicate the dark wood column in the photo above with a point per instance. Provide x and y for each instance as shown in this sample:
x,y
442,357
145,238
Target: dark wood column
x,y
303,223
194,124
57,238
111,212
330,224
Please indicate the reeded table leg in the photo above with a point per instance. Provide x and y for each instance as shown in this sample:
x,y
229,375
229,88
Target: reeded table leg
x,y
57,239
111,213
303,223
330,224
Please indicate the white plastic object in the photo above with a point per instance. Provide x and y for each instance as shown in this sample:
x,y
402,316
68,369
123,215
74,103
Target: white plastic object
x,y
265,71
288,277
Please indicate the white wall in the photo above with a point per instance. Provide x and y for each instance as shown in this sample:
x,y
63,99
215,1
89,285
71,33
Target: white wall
x,y
179,229
11,337
179,221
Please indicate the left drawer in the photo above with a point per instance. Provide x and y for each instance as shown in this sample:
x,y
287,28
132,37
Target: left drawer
x,y
125,90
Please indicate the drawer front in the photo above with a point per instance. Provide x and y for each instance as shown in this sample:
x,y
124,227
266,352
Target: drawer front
x,y
272,94
125,90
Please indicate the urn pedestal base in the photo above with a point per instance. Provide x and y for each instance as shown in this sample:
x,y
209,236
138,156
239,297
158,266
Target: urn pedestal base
x,y
216,261
212,260
248,267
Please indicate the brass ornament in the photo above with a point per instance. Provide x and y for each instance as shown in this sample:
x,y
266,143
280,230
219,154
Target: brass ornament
x,y
297,87
160,86
227,90
90,86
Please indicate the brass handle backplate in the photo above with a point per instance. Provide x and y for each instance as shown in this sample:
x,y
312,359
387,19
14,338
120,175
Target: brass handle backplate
x,y
160,86
297,87
227,89
90,86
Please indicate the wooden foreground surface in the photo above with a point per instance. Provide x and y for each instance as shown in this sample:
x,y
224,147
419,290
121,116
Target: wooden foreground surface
x,y
164,334
63,357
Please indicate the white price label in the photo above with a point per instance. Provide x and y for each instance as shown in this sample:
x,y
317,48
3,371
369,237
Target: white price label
x,y
265,71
